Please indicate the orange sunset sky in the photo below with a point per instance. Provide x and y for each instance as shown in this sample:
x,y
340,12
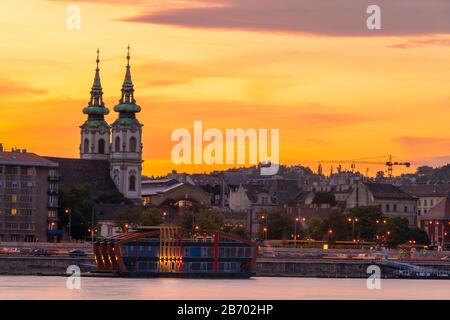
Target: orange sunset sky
x,y
309,68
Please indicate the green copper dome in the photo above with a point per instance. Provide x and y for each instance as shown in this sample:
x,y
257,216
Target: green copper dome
x,y
127,107
91,123
96,109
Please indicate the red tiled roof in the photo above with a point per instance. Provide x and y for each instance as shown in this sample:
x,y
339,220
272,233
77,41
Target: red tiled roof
x,y
440,212
25,158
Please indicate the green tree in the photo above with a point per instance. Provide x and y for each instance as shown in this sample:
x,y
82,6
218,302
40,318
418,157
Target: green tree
x,y
314,228
280,225
335,227
236,230
364,222
78,201
396,231
418,235
137,216
204,220
324,198
113,197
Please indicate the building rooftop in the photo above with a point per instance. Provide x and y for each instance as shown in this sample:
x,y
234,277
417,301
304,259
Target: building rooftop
x,y
387,191
440,212
153,187
21,157
75,172
439,190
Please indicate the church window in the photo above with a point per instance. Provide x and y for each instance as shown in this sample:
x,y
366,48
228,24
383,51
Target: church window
x,y
132,144
132,183
101,146
117,144
86,145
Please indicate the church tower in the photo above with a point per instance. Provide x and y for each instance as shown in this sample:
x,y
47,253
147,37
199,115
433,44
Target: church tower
x,y
95,131
126,153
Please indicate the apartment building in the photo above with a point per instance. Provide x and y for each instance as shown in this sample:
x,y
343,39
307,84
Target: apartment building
x,y
28,197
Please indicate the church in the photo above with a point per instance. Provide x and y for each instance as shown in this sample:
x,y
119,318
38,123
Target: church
x,y
110,163
119,143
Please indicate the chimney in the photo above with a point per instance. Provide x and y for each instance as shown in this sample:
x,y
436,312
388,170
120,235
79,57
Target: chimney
x,y
1,147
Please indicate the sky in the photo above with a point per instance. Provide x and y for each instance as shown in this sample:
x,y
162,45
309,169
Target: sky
x,y
311,69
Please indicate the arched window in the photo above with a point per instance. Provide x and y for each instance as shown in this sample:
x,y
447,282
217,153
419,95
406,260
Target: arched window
x,y
86,145
101,146
117,144
132,183
132,144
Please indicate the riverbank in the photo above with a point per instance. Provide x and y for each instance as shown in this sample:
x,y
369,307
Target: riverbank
x,y
266,267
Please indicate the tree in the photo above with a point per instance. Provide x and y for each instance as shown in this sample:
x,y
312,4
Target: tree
x,y
113,197
314,228
419,236
280,225
137,216
78,201
396,231
324,198
204,220
365,222
335,227
236,230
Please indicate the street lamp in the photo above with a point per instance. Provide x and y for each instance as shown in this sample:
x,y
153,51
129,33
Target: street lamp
x,y
353,220
295,230
265,232
69,212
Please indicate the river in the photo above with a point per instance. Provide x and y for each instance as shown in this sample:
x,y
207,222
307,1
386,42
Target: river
x,y
43,287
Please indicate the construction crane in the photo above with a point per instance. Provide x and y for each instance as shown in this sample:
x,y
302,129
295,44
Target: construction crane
x,y
390,163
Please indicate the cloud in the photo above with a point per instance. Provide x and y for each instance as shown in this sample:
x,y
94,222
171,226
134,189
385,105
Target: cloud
x,y
323,17
9,88
436,161
429,149
419,43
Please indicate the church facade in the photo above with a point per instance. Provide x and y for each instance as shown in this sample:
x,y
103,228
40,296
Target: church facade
x,y
119,143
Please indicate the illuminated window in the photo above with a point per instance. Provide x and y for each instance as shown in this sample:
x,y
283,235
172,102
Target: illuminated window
x,y
14,198
14,212
52,214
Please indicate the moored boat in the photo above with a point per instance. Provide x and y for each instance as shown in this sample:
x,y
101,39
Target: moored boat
x,y
167,251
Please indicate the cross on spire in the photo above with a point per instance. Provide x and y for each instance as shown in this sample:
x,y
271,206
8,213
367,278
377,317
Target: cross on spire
x,y
128,55
98,57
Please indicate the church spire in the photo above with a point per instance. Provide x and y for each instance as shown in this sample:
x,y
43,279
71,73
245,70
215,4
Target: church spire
x,y
127,86
97,91
96,109
127,106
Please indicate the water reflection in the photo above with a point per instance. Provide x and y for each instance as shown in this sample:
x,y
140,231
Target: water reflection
x,y
35,287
